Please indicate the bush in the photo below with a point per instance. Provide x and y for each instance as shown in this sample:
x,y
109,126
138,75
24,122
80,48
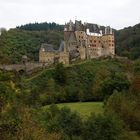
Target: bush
x,y
102,127
61,120
127,106
60,74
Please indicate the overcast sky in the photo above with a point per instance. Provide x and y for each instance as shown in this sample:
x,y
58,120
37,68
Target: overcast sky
x,y
116,13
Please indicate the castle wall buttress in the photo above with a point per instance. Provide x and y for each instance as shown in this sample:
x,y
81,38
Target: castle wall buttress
x,y
82,51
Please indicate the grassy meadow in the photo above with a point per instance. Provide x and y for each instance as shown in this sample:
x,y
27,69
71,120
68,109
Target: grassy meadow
x,y
84,108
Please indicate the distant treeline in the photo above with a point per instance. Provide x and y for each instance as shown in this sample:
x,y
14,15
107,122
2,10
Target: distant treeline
x,y
41,26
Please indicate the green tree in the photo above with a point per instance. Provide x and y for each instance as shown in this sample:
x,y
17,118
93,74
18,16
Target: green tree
x,y
49,95
128,42
126,105
117,81
62,120
102,127
60,74
100,76
70,122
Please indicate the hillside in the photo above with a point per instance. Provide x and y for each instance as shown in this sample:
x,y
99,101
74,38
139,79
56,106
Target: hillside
x,y
128,42
26,40
115,83
88,81
17,42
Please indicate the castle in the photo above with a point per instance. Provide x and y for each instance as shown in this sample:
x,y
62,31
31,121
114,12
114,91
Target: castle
x,y
81,41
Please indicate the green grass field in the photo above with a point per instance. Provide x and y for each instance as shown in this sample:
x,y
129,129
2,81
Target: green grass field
x,y
84,108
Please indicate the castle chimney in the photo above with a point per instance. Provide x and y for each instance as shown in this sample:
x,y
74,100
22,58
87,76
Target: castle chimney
x,y
65,27
101,32
111,32
105,30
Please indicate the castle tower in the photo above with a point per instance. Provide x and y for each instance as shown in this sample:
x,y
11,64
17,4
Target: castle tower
x,y
65,27
70,26
108,30
111,32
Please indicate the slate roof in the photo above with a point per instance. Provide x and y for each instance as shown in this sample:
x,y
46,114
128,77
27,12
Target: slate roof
x,y
68,34
93,28
61,48
48,47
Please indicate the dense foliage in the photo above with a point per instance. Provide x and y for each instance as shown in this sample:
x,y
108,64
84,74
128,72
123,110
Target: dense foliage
x,y
128,42
94,80
41,26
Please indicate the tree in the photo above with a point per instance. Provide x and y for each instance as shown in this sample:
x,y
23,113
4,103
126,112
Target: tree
x,y
50,95
117,81
60,74
126,105
41,26
102,127
62,120
70,122
128,42
100,76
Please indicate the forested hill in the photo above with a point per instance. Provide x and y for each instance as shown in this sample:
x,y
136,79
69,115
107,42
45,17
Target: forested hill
x,y
41,26
128,42
27,39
